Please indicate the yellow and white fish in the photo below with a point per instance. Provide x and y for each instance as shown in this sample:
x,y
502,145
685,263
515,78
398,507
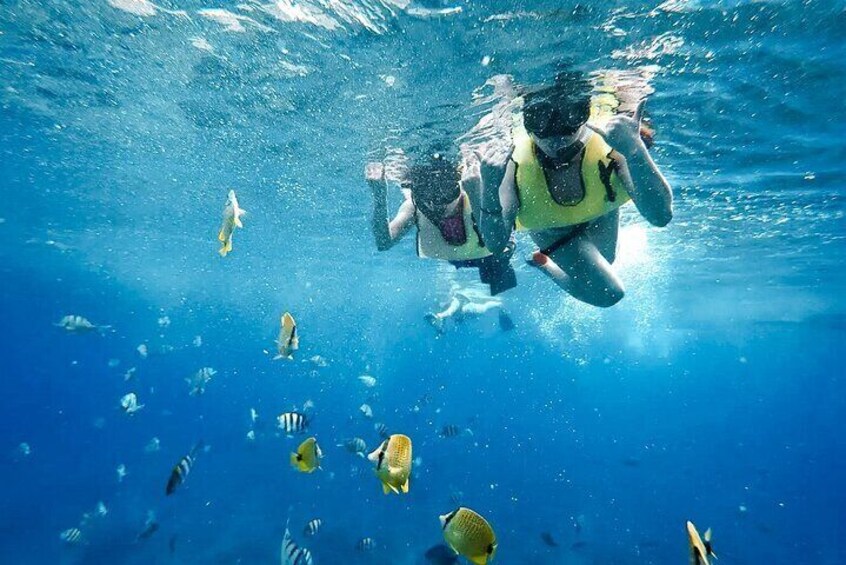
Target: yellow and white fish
x,y
470,535
307,457
231,219
288,340
700,547
393,463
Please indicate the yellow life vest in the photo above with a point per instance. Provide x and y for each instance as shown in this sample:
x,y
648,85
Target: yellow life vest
x,y
431,243
603,189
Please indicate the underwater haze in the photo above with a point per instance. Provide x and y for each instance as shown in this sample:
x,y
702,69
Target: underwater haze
x,y
713,392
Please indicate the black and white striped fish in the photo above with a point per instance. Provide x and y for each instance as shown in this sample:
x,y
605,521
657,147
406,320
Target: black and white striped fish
x,y
451,430
71,536
182,469
292,422
313,527
354,445
381,429
366,544
292,554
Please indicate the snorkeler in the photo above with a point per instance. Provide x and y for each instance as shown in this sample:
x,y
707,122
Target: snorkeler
x,y
469,302
564,184
440,207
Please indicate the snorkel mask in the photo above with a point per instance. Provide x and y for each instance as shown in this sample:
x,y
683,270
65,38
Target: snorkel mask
x,y
434,182
546,116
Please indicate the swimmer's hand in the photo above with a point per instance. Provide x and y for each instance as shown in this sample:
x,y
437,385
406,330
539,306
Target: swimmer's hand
x,y
622,133
374,172
491,166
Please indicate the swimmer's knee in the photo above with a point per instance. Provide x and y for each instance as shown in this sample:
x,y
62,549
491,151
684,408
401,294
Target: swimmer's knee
x,y
610,296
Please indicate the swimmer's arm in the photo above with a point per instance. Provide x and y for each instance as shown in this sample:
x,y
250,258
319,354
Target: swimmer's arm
x,y
499,205
388,232
647,186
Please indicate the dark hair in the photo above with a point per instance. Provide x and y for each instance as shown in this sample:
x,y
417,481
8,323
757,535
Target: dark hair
x,y
434,180
558,109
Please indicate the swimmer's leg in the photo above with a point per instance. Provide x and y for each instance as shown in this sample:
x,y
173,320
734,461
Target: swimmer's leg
x,y
581,270
479,308
603,233
437,319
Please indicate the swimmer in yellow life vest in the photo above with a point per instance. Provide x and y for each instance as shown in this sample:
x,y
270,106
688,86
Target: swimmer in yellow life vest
x,y
564,184
442,211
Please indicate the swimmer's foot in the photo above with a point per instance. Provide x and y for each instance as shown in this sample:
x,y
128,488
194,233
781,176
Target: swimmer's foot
x,y
436,322
506,324
537,259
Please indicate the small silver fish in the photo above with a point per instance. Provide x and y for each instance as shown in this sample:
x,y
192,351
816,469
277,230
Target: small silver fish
x,y
129,403
367,381
78,324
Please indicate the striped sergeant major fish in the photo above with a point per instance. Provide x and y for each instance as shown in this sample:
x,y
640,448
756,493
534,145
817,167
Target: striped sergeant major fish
x,y
71,536
700,547
366,544
288,340
381,429
232,213
292,422
354,445
182,469
451,431
292,554
313,527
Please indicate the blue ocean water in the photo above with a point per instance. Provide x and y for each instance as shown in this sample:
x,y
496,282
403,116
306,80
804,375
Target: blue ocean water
x,y
713,392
